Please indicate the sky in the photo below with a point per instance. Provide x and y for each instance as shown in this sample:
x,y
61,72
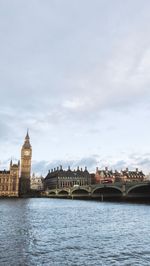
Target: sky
x,y
77,74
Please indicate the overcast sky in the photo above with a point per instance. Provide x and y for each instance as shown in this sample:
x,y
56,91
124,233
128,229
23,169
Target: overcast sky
x,y
77,74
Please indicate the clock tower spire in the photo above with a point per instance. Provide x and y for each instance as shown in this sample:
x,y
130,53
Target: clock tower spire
x,y
26,156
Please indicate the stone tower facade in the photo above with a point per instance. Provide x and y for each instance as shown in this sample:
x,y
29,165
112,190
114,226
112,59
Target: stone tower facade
x,y
26,156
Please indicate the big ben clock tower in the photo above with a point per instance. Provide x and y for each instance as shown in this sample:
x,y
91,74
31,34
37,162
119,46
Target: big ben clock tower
x,y
26,155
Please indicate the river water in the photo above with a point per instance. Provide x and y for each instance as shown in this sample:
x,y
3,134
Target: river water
x,y
73,232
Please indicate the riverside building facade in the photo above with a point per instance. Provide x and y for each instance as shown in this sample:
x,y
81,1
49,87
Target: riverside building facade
x,y
59,178
109,176
132,176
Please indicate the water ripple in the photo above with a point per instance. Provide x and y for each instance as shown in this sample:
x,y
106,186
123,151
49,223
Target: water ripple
x,y
72,232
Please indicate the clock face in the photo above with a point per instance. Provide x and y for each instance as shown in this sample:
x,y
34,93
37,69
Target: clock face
x,y
27,153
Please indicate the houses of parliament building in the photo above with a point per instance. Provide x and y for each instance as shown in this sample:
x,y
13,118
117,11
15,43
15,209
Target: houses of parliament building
x,y
15,182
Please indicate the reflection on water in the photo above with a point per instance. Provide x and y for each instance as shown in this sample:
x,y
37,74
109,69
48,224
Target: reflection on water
x,y
73,232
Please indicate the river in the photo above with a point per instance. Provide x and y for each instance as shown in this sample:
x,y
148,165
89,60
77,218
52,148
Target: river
x,y
61,232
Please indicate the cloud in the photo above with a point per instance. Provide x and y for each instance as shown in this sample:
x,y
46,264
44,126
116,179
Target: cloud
x,y
74,104
131,161
67,72
139,161
44,166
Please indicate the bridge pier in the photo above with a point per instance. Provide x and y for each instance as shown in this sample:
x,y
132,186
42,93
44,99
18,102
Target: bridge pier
x,y
124,190
69,192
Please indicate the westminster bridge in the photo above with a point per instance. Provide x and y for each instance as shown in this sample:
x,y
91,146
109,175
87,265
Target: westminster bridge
x,y
117,190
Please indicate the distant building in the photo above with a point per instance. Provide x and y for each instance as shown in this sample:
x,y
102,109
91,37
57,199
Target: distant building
x,y
59,178
92,178
9,181
129,176
109,176
147,177
36,183
104,176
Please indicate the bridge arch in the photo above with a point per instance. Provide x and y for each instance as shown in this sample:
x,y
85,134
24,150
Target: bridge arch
x,y
63,192
52,193
80,191
107,188
107,192
139,189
